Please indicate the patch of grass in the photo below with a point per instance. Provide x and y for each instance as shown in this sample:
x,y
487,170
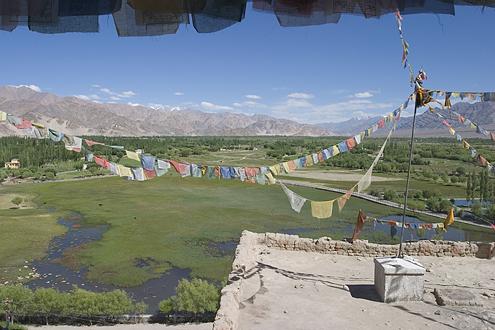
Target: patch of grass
x,y
25,236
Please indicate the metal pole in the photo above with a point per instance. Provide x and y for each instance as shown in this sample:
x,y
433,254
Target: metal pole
x,y
408,176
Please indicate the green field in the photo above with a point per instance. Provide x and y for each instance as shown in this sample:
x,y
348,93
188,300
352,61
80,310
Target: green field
x,y
170,219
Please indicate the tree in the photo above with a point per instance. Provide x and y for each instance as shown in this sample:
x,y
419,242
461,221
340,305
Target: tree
x,y
166,306
20,296
16,201
390,194
445,177
469,187
454,179
48,301
476,209
461,170
197,296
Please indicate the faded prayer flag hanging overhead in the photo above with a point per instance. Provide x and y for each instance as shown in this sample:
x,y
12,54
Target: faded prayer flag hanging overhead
x,y
161,17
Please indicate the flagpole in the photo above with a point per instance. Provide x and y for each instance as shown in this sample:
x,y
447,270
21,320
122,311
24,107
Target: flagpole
x,y
399,255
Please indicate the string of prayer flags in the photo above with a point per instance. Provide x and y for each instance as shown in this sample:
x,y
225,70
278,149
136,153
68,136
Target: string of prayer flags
x,y
482,160
151,166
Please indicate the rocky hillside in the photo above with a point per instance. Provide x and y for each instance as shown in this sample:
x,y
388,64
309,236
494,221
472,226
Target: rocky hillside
x,y
79,117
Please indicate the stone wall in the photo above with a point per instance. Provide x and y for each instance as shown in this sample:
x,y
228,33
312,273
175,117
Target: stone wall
x,y
365,249
252,244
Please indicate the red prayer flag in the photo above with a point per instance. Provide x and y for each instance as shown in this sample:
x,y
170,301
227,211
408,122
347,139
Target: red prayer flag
x,y
292,165
252,171
493,226
90,143
102,162
359,226
381,123
461,119
320,156
181,168
149,174
25,124
482,160
445,123
351,143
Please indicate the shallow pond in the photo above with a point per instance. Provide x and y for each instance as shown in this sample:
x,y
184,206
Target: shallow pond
x,y
54,275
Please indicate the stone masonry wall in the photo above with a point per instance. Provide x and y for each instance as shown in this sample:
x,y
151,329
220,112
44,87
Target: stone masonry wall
x,y
252,244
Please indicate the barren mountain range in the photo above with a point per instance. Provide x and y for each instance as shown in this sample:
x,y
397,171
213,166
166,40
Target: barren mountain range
x,y
74,116
79,117
427,124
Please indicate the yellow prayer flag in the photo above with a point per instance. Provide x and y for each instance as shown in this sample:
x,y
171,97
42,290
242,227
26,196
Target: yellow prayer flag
x,y
455,94
271,179
132,155
3,116
273,169
124,171
278,168
363,134
309,160
450,217
465,144
335,151
441,226
286,167
473,125
452,131
322,210
38,125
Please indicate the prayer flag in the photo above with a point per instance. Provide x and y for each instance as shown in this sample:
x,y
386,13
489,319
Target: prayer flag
x,y
149,174
124,171
148,163
102,162
286,167
322,210
461,118
90,143
450,217
481,160
271,179
343,146
343,199
132,155
359,226
351,143
320,156
138,173
296,201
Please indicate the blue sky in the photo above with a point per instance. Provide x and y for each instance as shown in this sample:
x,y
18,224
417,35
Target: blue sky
x,y
326,73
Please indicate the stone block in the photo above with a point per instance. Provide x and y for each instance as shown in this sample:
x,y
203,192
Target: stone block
x,y
399,279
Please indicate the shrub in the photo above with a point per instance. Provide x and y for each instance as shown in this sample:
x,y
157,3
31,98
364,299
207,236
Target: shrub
x,y
197,296
390,194
16,201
